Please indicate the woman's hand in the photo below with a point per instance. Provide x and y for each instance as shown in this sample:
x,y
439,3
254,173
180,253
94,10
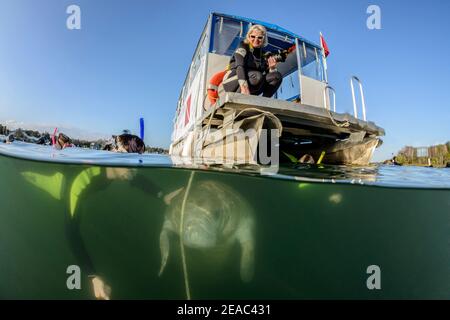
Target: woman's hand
x,y
245,90
272,63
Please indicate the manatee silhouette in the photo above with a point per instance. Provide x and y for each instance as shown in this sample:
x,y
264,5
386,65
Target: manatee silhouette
x,y
215,216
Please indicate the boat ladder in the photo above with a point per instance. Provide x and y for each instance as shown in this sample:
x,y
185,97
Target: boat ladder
x,y
355,110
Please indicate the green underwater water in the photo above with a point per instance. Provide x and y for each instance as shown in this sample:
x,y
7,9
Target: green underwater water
x,y
311,240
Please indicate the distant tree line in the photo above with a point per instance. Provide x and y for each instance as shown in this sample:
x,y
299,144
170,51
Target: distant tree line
x,y
437,156
3,130
149,149
33,136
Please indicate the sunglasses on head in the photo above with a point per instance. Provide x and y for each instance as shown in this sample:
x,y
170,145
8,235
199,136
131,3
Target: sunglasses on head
x,y
257,37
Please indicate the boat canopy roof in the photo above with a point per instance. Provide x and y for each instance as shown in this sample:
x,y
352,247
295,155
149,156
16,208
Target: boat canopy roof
x,y
270,26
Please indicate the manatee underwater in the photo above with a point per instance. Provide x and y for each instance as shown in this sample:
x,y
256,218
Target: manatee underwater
x,y
215,216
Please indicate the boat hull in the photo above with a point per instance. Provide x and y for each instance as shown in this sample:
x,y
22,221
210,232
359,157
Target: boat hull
x,y
221,135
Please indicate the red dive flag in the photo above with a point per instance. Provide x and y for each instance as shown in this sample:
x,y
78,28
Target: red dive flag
x,y
324,45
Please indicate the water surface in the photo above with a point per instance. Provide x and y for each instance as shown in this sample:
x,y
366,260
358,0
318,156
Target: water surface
x,y
313,230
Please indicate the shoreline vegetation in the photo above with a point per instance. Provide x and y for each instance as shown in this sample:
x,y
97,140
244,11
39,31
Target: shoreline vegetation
x,y
437,156
37,137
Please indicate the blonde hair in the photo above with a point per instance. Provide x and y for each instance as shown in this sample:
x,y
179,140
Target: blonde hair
x,y
259,28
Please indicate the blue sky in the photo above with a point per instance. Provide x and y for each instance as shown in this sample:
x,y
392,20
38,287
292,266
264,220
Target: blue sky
x,y
130,58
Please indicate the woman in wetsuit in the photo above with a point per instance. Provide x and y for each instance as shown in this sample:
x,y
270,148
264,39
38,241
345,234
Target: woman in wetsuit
x,y
250,72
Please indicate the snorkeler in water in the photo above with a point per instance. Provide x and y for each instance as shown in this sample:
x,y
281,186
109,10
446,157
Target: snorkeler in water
x,y
63,142
73,190
88,183
126,142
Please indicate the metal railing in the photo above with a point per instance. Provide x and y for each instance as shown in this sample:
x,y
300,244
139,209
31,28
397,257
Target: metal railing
x,y
299,64
355,110
325,104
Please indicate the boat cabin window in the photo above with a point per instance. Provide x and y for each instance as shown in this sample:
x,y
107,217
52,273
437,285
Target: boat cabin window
x,y
200,53
198,56
289,89
194,70
228,33
312,66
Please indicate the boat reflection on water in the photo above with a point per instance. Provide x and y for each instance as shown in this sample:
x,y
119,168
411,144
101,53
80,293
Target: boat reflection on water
x,y
299,171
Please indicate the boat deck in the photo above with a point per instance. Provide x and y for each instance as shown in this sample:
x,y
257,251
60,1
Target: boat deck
x,y
294,116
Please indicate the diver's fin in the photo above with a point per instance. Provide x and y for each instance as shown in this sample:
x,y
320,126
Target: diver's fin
x,y
51,184
83,179
291,157
101,290
165,247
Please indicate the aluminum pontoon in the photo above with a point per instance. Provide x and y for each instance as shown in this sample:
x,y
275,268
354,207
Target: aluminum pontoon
x,y
303,111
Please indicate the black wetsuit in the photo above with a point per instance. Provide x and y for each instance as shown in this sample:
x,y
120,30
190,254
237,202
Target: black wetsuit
x,y
248,66
73,188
